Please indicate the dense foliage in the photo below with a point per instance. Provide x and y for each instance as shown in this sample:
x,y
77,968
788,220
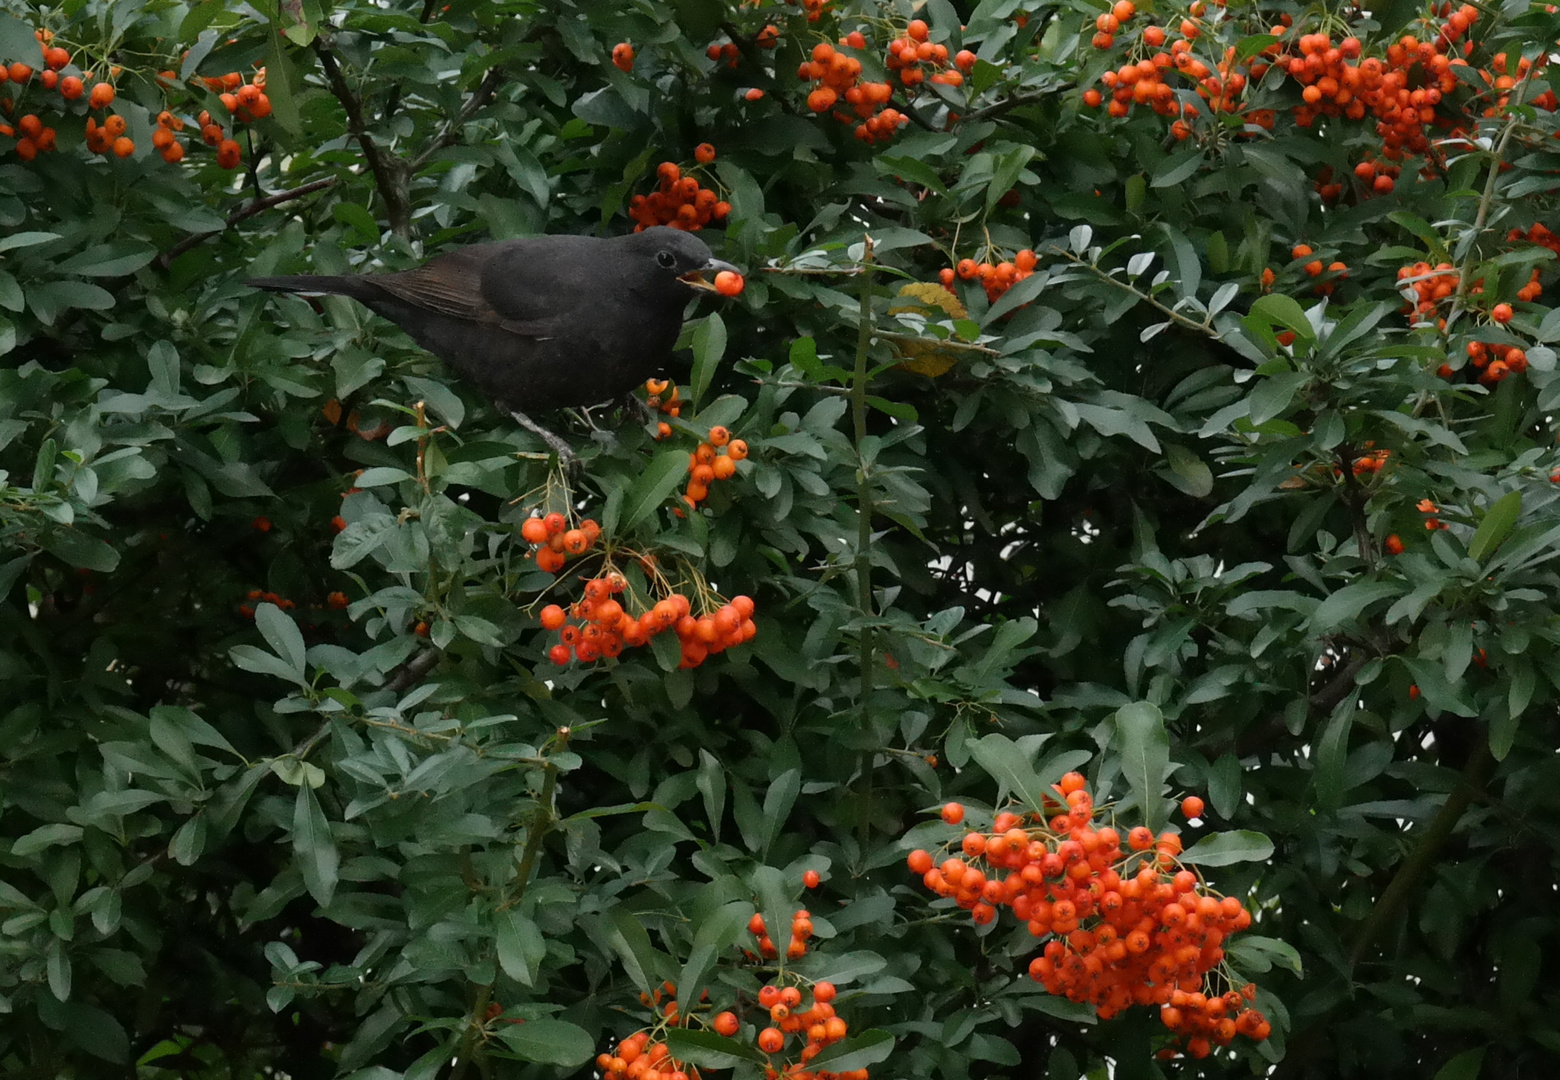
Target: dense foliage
x,y
1151,402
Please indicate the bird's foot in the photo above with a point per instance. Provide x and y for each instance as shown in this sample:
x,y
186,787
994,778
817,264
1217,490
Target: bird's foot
x,y
634,410
567,459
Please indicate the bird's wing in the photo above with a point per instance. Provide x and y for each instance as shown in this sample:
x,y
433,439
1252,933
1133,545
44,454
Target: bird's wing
x,y
453,284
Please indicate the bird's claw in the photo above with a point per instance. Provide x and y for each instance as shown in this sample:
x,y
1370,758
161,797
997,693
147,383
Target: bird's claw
x,y
568,460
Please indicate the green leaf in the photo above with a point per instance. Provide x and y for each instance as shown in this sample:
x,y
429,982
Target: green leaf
x,y
45,836
1222,849
659,479
1465,1066
78,549
1004,762
716,933
1349,601
868,1048
58,968
1276,309
709,346
778,801
1144,745
711,1051
1496,526
521,947
550,1042
314,850
282,634
1254,953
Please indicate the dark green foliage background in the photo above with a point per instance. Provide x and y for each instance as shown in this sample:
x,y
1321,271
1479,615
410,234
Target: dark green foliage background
x,y
304,841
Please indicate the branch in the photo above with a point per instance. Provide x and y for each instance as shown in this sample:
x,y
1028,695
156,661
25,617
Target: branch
x,y
413,671
389,172
1389,907
448,134
1323,701
248,211
1006,105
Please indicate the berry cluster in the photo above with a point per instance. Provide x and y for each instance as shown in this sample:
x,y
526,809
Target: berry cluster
x,y
1430,510
1127,927
1496,361
601,626
838,76
246,102
911,56
1536,234
1429,285
1371,463
715,459
1315,268
996,278
555,541
814,8
256,596
814,1028
679,201
663,398
644,1056
796,948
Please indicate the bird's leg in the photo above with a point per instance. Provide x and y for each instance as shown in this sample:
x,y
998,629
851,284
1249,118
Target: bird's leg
x,y
634,410
565,452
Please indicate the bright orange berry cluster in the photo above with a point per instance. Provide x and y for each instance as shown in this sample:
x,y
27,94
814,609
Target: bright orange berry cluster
x,y
1371,463
814,8
1430,285
1430,510
838,78
601,626
801,930
1127,925
664,399
1536,234
811,1029
996,278
912,56
555,542
256,596
644,1056
710,461
1496,361
679,201
1315,268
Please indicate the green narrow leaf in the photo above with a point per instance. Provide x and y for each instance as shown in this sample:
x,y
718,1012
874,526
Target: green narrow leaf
x,y
520,946
1145,756
314,849
1465,1066
659,479
1222,849
868,1048
712,785
1005,763
58,966
551,1042
1349,601
717,933
1496,526
711,1051
709,346
778,801
283,635
1332,755
626,935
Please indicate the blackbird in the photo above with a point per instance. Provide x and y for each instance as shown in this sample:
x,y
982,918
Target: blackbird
x,y
544,322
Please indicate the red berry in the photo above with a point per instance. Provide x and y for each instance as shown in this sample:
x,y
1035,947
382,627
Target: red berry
x,y
1192,807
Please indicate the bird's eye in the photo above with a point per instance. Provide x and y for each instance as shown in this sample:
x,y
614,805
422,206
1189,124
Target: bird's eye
x,y
666,259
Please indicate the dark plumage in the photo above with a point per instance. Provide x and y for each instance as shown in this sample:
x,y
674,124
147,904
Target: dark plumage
x,y
540,323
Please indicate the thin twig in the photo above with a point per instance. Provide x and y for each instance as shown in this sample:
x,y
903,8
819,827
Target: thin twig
x,y
249,210
389,171
450,132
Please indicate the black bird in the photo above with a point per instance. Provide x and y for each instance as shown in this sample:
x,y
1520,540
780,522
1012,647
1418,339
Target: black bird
x,y
540,323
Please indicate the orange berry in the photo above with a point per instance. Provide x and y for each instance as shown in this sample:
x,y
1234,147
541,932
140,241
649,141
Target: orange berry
x,y
811,879
770,1040
1394,545
229,154
1192,807
1501,313
623,56
124,146
71,87
917,30
953,813
729,283
19,72
704,153
726,1024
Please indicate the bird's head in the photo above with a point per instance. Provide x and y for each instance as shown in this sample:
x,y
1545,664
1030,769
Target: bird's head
x,y
678,256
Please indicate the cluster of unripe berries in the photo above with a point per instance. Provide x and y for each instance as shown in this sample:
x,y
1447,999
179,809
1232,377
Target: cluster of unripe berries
x,y
912,56
678,200
597,625
1127,925
996,278
555,542
715,459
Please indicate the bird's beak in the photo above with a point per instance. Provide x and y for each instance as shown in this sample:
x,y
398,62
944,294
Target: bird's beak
x,y
704,276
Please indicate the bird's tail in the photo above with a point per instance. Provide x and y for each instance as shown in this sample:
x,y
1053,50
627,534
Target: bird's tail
x,y
354,286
